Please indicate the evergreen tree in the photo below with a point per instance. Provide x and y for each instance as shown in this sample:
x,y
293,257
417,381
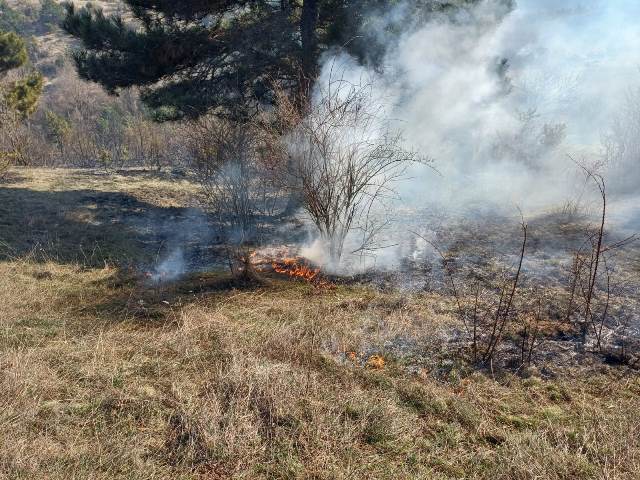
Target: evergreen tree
x,y
194,56
22,95
18,99
13,52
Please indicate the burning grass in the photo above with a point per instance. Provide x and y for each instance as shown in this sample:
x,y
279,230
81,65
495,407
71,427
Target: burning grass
x,y
285,262
296,268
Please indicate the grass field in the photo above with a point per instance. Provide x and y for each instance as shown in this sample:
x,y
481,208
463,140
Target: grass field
x,y
104,375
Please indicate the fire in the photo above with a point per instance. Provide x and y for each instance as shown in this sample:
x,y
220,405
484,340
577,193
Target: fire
x,y
295,267
376,362
285,261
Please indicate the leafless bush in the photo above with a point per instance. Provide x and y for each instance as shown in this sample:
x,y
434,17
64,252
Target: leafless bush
x,y
590,287
84,127
237,185
9,124
531,141
342,158
149,142
18,144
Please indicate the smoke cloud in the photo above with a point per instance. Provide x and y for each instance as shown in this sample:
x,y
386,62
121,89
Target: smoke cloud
x,y
507,99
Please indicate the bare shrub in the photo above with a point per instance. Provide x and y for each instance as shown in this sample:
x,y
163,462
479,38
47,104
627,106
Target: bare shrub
x,y
17,139
238,186
149,143
590,286
342,158
11,132
18,142
79,104
85,127
530,141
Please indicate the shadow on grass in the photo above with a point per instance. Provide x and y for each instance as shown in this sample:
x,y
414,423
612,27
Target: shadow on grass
x,y
94,228
91,227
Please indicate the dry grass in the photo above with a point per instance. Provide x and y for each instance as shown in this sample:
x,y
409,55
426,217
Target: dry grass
x,y
255,384
159,189
91,217
102,376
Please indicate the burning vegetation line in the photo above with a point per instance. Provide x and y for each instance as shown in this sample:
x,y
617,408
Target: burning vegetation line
x,y
285,262
295,267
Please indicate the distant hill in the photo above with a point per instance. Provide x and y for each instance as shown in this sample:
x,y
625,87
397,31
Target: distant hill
x,y
38,22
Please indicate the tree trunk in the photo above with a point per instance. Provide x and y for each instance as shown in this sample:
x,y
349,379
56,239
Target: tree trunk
x,y
308,67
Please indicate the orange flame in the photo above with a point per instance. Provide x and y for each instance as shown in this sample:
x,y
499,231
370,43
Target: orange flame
x,y
376,362
296,268
285,261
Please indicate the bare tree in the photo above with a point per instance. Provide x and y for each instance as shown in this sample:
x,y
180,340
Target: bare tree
x,y
17,139
341,158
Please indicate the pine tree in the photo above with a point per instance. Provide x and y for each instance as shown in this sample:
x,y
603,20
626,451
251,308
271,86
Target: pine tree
x,y
194,56
18,99
13,52
21,95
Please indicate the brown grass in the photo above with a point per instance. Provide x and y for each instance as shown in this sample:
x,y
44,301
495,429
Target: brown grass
x,y
159,189
88,216
254,384
103,376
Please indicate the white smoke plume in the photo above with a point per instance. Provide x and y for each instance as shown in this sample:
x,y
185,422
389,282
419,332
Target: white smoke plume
x,y
506,100
171,268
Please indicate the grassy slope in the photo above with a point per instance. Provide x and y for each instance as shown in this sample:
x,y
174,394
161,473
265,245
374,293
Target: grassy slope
x,y
73,216
103,376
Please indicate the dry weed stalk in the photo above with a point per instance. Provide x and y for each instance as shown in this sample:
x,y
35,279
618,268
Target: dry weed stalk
x,y
530,335
589,264
594,263
487,329
502,313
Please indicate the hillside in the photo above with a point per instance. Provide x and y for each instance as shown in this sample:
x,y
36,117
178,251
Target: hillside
x,y
50,41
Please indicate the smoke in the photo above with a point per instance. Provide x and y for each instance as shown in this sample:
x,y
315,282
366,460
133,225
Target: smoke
x,y
171,268
183,239
506,99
